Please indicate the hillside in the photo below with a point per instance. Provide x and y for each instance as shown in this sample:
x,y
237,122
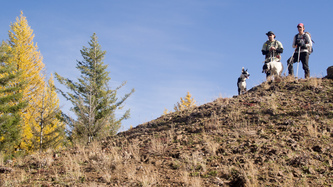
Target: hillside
x,y
277,134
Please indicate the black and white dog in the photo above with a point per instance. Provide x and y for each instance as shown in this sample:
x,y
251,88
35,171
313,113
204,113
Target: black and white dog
x,y
241,83
273,68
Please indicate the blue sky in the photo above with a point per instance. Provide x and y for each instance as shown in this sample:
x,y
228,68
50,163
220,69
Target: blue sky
x,y
164,48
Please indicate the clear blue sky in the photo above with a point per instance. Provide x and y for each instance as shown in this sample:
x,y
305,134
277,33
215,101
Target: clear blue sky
x,y
164,48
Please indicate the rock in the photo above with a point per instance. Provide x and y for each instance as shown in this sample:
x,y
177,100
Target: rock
x,y
5,170
330,72
317,149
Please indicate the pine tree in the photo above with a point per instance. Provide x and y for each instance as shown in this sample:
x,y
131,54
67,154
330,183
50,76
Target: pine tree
x,y
185,103
11,103
94,103
28,60
50,132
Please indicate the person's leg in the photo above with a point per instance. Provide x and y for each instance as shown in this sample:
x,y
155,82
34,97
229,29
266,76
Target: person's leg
x,y
290,64
305,62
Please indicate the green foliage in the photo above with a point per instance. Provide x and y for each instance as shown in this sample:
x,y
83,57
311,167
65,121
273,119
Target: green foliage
x,y
10,103
28,61
94,103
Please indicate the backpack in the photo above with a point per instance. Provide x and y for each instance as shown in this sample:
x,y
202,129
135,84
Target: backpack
x,y
310,48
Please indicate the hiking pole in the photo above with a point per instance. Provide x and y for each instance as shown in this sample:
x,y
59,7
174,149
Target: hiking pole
x,y
299,51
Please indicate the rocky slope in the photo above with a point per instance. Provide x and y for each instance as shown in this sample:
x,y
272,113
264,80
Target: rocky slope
x,y
279,133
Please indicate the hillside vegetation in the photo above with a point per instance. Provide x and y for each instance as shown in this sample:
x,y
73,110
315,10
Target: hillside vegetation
x,y
279,133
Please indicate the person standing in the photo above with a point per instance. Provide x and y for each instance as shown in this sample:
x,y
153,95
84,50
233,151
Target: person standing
x,y
272,50
302,44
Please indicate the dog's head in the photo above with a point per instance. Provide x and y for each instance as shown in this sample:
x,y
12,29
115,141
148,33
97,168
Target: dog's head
x,y
245,74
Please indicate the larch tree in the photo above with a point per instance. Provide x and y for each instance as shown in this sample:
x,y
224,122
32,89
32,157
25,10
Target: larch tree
x,y
166,111
185,103
28,60
11,103
94,102
50,132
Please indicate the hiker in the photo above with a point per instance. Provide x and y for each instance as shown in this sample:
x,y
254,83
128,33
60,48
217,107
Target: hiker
x,y
272,50
302,44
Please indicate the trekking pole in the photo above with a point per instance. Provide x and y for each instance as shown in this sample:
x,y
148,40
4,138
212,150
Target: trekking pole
x,y
299,51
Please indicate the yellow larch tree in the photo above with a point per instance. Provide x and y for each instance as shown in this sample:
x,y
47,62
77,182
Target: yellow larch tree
x,y
28,60
166,111
185,103
50,132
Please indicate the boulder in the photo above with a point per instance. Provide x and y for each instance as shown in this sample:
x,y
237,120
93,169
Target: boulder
x,y
330,72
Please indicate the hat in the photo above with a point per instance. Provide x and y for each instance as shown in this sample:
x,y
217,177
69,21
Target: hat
x,y
269,33
300,25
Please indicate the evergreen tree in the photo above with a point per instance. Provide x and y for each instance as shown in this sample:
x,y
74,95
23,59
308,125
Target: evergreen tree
x,y
94,103
185,103
11,102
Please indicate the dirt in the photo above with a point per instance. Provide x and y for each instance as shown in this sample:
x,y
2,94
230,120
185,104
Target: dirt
x,y
279,133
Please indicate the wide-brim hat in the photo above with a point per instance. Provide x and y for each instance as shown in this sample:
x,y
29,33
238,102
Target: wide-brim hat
x,y
270,33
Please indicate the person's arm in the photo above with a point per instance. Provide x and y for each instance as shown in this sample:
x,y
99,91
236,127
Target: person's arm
x,y
294,42
264,50
279,48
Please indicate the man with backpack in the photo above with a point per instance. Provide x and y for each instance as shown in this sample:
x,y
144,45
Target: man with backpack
x,y
303,47
272,50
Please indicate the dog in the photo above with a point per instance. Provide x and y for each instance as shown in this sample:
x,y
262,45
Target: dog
x,y
273,68
241,83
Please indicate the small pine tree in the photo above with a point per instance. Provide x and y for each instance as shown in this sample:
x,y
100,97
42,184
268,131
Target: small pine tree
x,y
94,103
185,103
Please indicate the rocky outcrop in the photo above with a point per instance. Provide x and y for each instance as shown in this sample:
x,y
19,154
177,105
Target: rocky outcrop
x,y
330,72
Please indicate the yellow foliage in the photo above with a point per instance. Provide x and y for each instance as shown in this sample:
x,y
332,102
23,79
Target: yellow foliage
x,y
166,111
185,103
28,59
48,111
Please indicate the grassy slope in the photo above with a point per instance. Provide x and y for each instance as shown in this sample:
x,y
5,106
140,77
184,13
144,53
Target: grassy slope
x,y
278,134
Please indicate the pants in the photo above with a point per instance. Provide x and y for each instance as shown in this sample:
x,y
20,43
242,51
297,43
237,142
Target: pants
x,y
304,58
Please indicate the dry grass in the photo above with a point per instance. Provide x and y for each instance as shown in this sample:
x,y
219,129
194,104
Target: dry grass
x,y
265,139
315,82
312,128
213,124
2,159
196,182
72,167
159,144
195,162
149,177
235,114
210,145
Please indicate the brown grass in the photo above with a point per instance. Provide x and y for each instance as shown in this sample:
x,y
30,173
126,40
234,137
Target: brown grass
x,y
280,134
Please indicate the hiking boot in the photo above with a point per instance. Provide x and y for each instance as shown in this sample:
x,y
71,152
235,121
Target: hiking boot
x,y
307,75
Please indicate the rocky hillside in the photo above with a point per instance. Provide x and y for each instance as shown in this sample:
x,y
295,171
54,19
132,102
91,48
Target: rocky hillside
x,y
277,134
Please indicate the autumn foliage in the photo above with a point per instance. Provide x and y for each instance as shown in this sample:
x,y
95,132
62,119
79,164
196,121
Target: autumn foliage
x,y
27,60
185,103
